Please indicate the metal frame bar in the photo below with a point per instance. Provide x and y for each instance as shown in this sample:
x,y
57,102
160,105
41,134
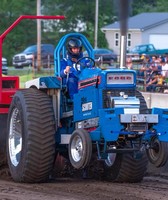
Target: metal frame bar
x,y
5,33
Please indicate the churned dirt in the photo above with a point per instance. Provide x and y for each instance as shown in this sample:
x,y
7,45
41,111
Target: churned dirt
x,y
153,187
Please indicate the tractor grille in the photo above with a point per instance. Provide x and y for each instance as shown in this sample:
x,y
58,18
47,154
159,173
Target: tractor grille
x,y
107,94
142,127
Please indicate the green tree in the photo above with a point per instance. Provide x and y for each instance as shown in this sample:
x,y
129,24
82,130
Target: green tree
x,y
80,16
15,41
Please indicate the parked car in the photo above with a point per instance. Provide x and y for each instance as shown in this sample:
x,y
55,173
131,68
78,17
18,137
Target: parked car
x,y
4,66
104,56
146,49
29,56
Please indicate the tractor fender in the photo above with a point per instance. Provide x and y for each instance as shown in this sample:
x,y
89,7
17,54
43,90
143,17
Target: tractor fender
x,y
110,123
50,82
162,126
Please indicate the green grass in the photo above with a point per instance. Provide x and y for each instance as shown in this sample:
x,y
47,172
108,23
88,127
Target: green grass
x,y
27,74
24,78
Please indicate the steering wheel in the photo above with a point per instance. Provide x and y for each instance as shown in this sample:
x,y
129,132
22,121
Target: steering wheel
x,y
84,62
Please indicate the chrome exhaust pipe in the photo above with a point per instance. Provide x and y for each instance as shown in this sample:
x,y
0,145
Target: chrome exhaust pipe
x,y
123,50
123,18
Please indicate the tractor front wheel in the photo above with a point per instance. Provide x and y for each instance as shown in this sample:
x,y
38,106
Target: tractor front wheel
x,y
80,149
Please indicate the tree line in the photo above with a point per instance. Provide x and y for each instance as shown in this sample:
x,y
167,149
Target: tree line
x,y
80,16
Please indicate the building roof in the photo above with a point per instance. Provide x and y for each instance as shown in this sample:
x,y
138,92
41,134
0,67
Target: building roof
x,y
142,21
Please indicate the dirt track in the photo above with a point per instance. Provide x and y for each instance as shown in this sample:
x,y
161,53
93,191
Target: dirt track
x,y
151,188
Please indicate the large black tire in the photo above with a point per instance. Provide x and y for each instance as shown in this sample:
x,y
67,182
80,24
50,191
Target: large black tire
x,y
80,149
158,155
126,168
3,136
31,136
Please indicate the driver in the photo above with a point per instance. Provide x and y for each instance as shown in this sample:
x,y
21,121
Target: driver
x,y
68,70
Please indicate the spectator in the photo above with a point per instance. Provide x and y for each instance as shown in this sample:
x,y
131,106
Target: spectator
x,y
159,79
160,82
152,78
166,57
154,58
144,69
141,71
129,63
164,67
158,64
147,60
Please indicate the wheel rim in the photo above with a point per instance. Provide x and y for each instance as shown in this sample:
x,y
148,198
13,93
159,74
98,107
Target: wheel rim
x,y
77,149
154,153
15,137
111,157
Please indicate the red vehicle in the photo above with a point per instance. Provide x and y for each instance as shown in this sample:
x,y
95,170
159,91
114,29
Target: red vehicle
x,y
9,85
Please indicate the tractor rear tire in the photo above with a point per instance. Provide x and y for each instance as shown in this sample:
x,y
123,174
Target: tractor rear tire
x,y
143,106
80,149
31,136
158,156
3,136
126,168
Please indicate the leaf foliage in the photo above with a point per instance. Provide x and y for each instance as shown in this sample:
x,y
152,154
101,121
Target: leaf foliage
x,y
80,16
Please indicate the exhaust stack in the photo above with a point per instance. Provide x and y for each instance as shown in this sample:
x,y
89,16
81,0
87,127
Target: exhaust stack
x,y
123,18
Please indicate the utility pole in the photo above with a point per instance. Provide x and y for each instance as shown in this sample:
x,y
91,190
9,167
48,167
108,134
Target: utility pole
x,y
38,35
96,23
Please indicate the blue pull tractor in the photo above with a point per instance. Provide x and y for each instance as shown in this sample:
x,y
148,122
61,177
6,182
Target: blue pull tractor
x,y
107,121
